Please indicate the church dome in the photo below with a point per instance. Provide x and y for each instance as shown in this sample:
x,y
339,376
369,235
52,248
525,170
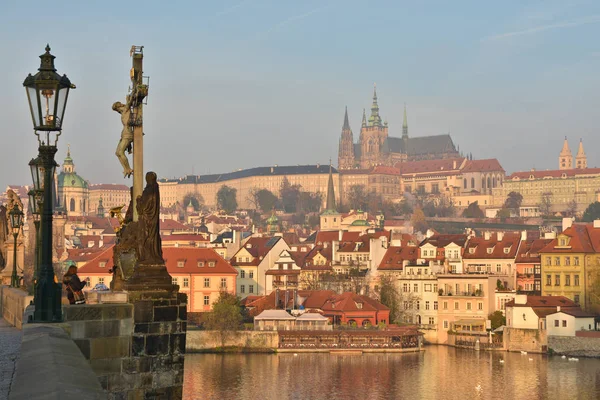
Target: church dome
x,y
359,222
66,179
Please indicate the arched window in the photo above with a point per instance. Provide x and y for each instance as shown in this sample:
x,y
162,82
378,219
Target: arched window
x,y
494,182
483,183
465,183
472,183
72,205
489,183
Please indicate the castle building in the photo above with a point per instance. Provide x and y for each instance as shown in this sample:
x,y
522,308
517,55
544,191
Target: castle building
x,y
73,191
375,147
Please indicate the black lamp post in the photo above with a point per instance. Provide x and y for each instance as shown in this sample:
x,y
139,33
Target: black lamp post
x,y
35,199
47,93
16,222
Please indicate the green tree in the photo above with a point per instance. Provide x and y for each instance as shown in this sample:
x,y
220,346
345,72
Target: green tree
x,y
572,208
313,221
405,208
513,202
289,195
225,317
227,199
545,204
473,211
592,212
196,199
389,296
357,196
497,319
503,213
265,200
439,206
309,202
418,221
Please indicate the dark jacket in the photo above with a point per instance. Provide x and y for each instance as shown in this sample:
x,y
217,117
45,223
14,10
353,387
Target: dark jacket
x,y
72,283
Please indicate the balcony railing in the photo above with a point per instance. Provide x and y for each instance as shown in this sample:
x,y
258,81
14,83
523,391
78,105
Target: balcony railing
x,y
477,293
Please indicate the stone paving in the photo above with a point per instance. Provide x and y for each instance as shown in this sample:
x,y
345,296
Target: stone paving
x,y
10,346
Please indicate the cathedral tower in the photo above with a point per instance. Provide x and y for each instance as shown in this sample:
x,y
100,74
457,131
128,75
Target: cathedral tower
x,y
405,125
373,136
565,159
580,158
346,149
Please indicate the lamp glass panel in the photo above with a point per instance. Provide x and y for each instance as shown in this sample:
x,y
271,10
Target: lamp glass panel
x,y
33,105
35,177
61,105
48,98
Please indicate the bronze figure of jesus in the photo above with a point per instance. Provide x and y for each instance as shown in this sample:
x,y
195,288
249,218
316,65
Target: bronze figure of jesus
x,y
126,135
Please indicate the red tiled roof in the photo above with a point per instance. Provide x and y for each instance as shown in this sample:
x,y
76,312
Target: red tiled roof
x,y
487,165
257,247
349,301
169,224
480,247
192,237
555,173
442,240
395,256
544,301
449,165
529,250
577,312
381,169
584,239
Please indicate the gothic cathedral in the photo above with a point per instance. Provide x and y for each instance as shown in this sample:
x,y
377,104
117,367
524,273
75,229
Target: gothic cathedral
x,y
375,147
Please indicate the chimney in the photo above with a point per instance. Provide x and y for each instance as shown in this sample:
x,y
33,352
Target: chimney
x,y
566,223
100,242
521,299
557,308
90,243
500,235
334,247
597,223
523,235
340,235
454,164
486,235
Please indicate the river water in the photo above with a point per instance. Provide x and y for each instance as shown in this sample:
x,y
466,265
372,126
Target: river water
x,y
439,372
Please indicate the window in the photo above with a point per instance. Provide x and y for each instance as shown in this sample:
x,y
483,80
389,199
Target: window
x,y
480,306
102,264
405,287
469,306
418,305
251,274
576,280
211,264
100,280
428,287
564,323
180,264
563,242
576,298
435,287
556,323
186,282
576,261
456,306
242,273
567,280
548,260
250,288
431,320
567,261
548,280
243,289
406,305
206,282
435,305
174,281
556,261
445,305
206,300
200,263
223,283
446,322
557,280
498,268
416,287
427,305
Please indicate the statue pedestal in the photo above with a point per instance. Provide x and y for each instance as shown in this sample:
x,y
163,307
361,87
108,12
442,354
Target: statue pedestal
x,y
150,277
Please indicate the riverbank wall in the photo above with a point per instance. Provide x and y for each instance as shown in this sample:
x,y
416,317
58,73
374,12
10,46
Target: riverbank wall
x,y
529,340
574,346
202,341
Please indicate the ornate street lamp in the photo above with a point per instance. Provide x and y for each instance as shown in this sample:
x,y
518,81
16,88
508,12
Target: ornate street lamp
x,y
47,94
35,200
16,222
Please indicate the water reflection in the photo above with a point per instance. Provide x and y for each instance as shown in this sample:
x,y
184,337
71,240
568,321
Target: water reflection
x,y
438,373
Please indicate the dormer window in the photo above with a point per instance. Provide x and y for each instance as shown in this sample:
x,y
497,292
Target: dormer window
x,y
472,250
180,264
489,250
200,263
506,250
249,245
359,306
211,264
102,264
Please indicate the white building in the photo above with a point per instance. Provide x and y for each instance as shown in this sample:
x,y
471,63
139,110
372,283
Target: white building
x,y
568,321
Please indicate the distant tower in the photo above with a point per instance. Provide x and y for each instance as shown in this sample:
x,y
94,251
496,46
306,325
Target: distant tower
x,y
580,158
565,159
100,210
330,218
190,207
405,125
373,136
346,150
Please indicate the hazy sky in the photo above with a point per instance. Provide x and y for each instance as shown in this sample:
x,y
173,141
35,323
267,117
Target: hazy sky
x,y
237,84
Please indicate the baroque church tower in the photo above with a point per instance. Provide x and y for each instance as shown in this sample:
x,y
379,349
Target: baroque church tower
x,y
565,159
580,158
346,150
373,136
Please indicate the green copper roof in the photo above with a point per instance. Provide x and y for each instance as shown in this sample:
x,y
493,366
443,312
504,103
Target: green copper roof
x,y
330,212
71,180
68,159
272,220
360,222
374,118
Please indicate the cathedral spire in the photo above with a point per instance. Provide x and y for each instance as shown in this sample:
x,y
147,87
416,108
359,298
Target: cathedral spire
x,y
364,119
346,123
375,119
580,158
330,191
565,159
405,125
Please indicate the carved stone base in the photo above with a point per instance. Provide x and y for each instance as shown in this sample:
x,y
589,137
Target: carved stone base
x,y
150,277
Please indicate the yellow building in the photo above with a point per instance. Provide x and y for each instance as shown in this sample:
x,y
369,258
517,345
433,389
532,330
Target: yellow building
x,y
571,265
